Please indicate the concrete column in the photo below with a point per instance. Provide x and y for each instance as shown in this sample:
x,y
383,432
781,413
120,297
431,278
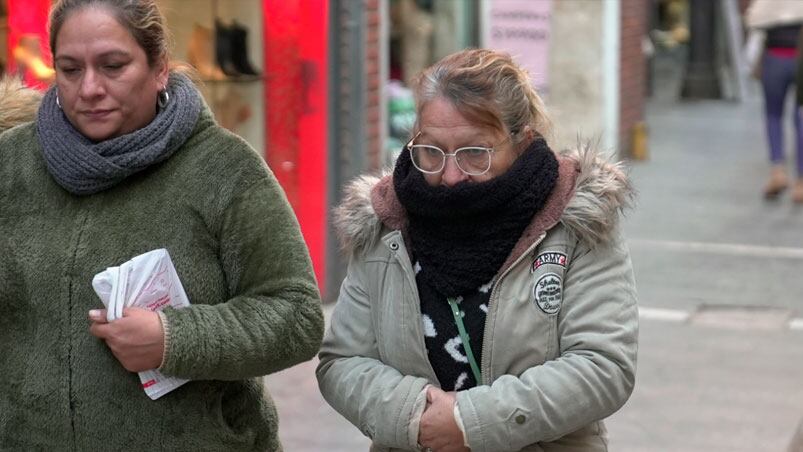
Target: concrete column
x,y
611,48
577,63
584,63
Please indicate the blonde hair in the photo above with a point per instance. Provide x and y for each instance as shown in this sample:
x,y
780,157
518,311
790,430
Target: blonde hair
x,y
487,87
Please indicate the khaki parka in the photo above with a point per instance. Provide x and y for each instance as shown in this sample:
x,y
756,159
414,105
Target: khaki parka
x,y
560,339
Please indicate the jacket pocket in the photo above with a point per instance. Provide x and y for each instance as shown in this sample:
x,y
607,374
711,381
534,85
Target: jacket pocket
x,y
232,412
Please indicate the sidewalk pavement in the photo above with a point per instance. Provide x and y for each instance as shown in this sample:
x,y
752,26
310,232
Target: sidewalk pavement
x,y
306,422
718,271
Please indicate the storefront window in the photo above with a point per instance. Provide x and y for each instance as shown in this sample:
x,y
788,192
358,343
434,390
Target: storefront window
x,y
223,41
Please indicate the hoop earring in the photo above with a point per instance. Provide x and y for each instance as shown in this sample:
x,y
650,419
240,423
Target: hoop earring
x,y
58,103
162,98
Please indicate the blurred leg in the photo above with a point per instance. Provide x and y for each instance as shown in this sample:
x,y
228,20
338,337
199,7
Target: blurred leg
x,y
777,74
797,191
774,82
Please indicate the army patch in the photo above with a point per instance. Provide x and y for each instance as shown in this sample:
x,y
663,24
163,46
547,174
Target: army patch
x,y
548,293
551,257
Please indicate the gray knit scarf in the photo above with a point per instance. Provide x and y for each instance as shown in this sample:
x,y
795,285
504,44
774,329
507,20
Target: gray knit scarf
x,y
83,167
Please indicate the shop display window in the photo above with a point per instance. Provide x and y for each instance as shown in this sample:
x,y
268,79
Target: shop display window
x,y
223,41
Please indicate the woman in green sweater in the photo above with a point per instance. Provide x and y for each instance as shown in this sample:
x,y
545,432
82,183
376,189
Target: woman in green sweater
x,y
123,158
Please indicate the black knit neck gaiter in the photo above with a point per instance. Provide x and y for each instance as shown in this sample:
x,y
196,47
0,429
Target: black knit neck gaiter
x,y
461,235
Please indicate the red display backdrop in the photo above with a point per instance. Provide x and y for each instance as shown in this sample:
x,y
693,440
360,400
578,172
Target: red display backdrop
x,y
27,20
295,47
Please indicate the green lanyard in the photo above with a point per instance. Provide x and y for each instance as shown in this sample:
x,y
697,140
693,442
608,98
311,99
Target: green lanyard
x,y
475,369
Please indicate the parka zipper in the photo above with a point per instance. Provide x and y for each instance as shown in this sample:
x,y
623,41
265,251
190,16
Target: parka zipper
x,y
485,367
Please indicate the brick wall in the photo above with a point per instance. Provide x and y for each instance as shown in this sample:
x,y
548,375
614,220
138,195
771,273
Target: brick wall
x,y
633,69
373,126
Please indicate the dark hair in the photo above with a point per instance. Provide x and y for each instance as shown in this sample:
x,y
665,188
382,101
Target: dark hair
x,y
141,18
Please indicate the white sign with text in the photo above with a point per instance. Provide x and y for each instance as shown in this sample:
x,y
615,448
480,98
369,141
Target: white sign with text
x,y
522,28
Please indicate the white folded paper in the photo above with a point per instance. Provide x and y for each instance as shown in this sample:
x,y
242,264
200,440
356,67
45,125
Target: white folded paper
x,y
148,281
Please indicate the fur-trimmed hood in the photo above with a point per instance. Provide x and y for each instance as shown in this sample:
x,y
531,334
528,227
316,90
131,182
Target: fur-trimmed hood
x,y
589,197
18,104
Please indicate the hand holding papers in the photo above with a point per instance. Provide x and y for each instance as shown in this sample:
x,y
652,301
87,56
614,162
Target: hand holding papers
x,y
147,281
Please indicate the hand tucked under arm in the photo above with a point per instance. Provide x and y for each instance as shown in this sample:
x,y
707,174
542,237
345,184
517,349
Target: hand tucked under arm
x,y
136,339
438,429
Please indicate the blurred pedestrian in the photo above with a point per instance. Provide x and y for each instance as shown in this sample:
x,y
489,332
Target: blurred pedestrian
x,y
780,23
123,158
489,303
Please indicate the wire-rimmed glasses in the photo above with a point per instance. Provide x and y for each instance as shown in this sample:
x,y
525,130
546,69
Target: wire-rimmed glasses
x,y
472,160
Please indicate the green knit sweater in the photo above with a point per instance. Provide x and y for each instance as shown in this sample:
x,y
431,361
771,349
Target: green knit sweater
x,y
238,250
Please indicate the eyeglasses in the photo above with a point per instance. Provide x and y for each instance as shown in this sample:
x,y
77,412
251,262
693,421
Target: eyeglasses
x,y
472,160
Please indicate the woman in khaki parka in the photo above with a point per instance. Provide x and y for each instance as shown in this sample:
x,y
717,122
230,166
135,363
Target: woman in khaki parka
x,y
489,303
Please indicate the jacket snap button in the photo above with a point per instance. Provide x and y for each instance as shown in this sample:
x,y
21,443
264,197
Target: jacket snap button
x,y
394,246
520,419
